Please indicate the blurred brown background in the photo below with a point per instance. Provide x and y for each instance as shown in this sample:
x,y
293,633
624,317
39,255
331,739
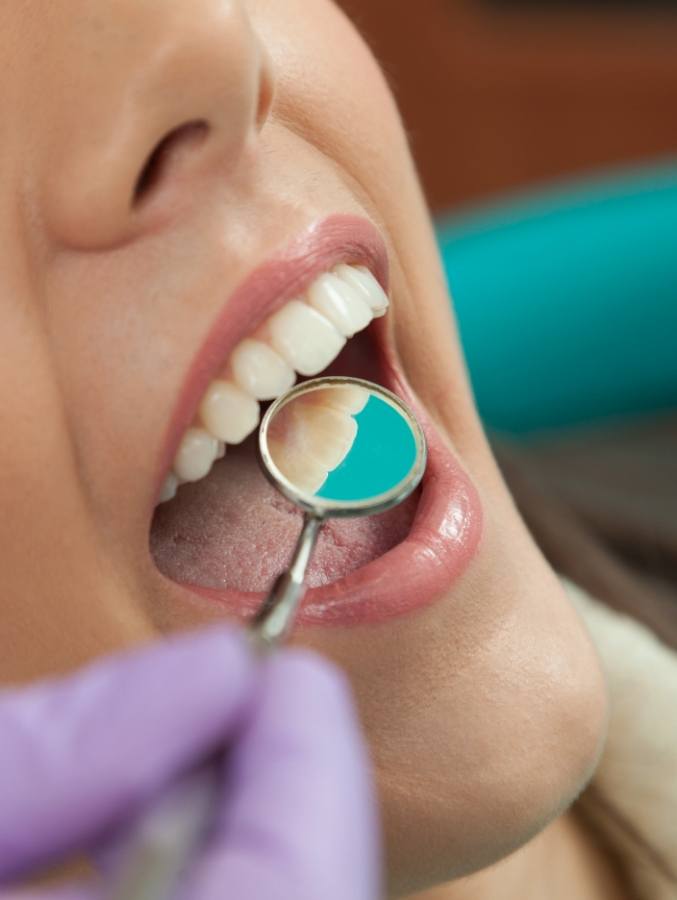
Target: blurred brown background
x,y
499,95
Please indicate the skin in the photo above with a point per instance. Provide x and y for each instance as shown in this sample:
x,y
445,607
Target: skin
x,y
486,712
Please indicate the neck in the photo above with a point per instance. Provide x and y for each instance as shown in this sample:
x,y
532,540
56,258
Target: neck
x,y
563,861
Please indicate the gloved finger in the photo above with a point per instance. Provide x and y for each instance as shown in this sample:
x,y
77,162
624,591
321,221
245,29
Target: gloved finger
x,y
298,814
78,756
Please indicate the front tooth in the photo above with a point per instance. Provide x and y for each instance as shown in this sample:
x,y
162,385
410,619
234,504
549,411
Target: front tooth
x,y
325,433
340,303
361,280
308,440
304,474
169,488
221,450
304,338
260,371
228,412
347,398
195,455
311,430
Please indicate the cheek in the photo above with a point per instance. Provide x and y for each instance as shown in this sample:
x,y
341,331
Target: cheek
x,y
485,714
59,595
331,88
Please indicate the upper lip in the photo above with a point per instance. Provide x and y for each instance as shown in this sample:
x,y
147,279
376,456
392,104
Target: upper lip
x,y
287,274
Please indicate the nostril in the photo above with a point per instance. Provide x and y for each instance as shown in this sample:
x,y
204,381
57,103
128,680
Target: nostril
x,y
164,157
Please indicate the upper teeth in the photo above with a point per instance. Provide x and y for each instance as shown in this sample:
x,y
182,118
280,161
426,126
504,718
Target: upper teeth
x,y
304,336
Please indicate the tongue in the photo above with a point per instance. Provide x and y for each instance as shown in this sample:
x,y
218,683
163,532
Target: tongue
x,y
234,530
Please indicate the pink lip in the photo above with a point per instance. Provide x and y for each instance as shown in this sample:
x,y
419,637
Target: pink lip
x,y
444,538
335,239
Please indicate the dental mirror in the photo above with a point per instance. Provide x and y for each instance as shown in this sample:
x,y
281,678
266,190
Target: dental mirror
x,y
334,447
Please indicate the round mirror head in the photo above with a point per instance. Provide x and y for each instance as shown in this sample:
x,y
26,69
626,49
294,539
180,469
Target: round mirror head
x,y
342,447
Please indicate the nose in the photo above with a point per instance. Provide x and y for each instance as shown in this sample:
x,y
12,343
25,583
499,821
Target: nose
x,y
160,99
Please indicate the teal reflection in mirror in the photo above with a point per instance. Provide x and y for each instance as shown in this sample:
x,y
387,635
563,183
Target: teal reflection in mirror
x,y
346,443
381,456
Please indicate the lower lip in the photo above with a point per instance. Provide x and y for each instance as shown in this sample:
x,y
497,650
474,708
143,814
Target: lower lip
x,y
444,538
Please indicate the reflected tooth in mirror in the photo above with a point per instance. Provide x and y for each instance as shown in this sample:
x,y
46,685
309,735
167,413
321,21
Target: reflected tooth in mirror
x,y
311,439
350,398
304,338
260,371
195,455
169,488
368,288
340,303
306,474
228,412
326,433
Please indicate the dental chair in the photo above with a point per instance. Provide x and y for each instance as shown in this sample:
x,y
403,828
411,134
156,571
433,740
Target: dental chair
x,y
566,301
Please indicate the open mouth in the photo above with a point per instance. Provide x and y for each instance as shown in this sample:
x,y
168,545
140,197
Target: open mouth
x,y
221,533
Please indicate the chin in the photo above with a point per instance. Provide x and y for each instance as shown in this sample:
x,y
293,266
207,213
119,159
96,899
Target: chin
x,y
486,713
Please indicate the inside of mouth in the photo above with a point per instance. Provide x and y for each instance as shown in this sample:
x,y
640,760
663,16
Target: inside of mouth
x,y
234,531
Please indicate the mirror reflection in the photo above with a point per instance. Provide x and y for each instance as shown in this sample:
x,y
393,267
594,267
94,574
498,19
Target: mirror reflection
x,y
342,443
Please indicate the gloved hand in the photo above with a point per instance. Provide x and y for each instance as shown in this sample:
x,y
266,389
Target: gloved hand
x,y
82,756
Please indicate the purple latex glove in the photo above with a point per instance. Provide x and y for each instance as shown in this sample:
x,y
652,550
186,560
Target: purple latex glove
x,y
82,756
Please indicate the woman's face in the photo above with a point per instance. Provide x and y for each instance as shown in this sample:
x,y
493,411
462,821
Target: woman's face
x,y
124,296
